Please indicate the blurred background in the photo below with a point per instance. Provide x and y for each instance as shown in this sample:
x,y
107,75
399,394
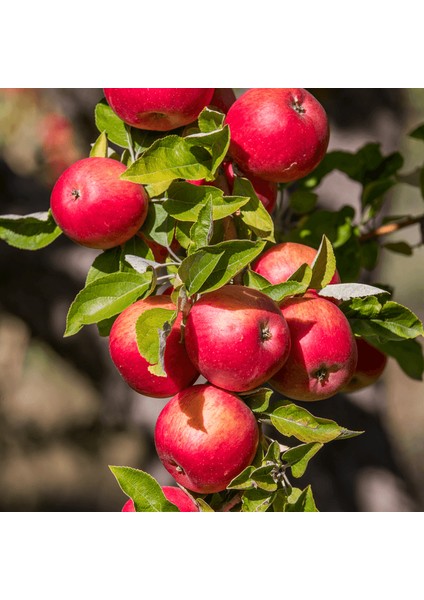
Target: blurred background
x,y
65,413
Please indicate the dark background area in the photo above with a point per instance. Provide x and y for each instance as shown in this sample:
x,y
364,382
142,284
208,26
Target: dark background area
x,y
65,413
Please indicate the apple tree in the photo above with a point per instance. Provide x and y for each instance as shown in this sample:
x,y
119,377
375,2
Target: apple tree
x,y
223,285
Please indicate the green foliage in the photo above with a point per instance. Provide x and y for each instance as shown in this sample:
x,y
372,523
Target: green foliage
x,y
144,490
29,232
152,329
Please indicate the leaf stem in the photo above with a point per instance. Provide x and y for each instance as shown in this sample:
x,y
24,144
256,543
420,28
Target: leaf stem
x,y
130,142
391,228
172,253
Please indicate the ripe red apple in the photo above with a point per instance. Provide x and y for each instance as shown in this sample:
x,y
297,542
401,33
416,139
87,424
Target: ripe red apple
x,y
282,260
323,353
206,436
236,337
223,99
175,495
278,134
134,368
94,207
158,109
266,191
370,366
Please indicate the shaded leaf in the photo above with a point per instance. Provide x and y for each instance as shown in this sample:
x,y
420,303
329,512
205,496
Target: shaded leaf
x,y
323,266
299,457
29,232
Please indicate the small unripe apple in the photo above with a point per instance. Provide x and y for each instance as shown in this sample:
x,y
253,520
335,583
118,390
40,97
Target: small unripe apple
x,y
94,207
175,495
206,436
282,260
278,134
323,352
236,337
158,109
370,366
134,368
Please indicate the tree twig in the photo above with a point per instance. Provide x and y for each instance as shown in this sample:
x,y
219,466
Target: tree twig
x,y
231,503
391,228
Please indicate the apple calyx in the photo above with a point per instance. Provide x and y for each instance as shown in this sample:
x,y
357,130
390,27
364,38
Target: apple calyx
x,y
321,374
297,106
265,332
76,194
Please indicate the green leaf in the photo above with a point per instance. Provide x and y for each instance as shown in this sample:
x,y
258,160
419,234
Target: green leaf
x,y
105,326
99,148
373,192
210,120
243,480
399,248
105,297
152,328
279,291
254,213
185,201
112,260
118,132
256,500
201,231
303,502
144,490
263,478
204,506
299,457
303,202
292,420
273,454
159,225
408,354
386,320
215,142
258,400
418,133
346,291
303,275
323,266
167,159
29,232
212,267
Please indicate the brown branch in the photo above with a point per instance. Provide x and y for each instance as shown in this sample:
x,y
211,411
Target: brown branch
x,y
391,228
236,499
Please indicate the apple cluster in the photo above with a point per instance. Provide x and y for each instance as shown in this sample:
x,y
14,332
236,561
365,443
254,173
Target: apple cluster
x,y
235,338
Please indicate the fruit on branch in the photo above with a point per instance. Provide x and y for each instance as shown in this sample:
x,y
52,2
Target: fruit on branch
x,y
223,99
370,366
236,337
206,436
175,495
134,368
94,207
282,260
278,134
323,352
266,191
158,109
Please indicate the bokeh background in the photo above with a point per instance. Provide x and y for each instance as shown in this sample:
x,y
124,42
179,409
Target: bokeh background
x,y
65,413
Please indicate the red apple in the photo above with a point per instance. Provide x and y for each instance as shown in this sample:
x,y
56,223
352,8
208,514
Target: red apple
x,y
94,207
223,99
282,260
236,337
266,191
370,367
323,353
206,436
175,495
278,134
134,368
158,109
